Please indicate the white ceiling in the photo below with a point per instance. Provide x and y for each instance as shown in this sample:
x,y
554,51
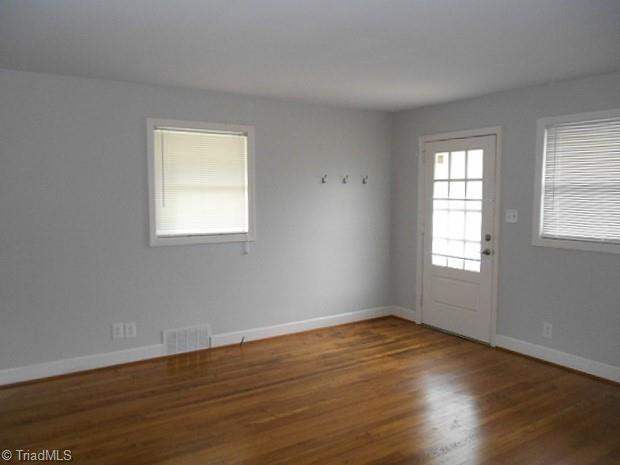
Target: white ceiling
x,y
383,54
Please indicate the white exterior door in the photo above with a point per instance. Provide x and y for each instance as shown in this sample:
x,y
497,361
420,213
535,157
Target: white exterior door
x,y
459,236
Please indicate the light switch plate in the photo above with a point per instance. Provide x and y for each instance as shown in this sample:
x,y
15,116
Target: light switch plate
x,y
512,216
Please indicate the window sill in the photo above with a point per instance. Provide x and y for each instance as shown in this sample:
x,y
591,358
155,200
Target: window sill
x,y
158,241
604,247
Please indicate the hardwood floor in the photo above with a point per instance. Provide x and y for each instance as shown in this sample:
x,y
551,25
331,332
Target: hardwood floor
x,y
383,391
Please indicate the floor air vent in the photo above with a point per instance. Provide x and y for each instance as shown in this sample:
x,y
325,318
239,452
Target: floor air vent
x,y
187,339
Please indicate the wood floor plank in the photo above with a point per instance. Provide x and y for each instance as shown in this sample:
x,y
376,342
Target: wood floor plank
x,y
382,391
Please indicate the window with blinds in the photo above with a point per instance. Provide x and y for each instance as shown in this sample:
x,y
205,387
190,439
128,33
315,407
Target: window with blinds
x,y
201,184
580,180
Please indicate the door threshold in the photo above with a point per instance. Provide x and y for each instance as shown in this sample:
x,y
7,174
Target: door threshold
x,y
452,333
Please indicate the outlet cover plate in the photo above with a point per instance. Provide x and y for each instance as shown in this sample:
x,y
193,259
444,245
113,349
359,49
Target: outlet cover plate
x,y
118,331
130,330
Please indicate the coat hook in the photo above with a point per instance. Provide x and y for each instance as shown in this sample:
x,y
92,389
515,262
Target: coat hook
x,y
324,179
345,179
364,179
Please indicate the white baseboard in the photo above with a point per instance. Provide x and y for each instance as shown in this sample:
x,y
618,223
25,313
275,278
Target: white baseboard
x,y
602,370
224,339
405,313
71,365
89,362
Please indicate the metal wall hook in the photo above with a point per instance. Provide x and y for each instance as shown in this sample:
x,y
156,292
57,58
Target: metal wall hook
x,y
324,179
364,179
345,179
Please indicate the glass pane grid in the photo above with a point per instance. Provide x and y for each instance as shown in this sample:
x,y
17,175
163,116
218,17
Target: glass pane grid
x,y
457,209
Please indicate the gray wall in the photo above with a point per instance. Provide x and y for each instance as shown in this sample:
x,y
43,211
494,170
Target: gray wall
x,y
74,254
578,292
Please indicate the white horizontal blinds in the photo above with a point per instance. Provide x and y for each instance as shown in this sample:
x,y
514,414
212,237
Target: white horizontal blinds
x,y
581,181
201,182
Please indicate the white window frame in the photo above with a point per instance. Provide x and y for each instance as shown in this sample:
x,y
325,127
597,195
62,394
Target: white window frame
x,y
156,123
537,239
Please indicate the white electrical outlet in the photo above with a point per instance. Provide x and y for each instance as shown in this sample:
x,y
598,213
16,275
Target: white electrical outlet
x,y
118,331
512,216
547,331
130,330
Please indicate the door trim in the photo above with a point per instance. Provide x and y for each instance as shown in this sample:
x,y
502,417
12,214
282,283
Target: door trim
x,y
422,140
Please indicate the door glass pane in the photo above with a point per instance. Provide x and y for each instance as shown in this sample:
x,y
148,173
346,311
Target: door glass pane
x,y
472,226
472,265
440,246
474,164
457,165
440,190
472,250
456,204
474,189
457,210
441,165
473,205
440,205
441,224
455,248
457,190
456,226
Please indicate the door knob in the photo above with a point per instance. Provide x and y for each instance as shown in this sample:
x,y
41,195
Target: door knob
x,y
487,252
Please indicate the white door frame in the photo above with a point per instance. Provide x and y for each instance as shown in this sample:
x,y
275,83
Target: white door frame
x,y
422,140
